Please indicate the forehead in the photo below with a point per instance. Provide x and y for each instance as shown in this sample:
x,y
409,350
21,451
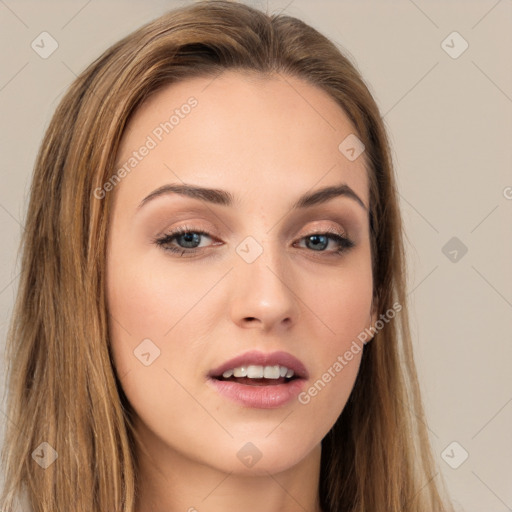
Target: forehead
x,y
241,130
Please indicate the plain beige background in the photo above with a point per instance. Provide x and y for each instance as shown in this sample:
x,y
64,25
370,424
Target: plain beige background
x,y
449,115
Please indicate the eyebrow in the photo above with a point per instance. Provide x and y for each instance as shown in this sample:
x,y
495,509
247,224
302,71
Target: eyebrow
x,y
225,198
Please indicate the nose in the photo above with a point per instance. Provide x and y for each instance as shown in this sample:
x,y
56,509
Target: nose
x,y
265,295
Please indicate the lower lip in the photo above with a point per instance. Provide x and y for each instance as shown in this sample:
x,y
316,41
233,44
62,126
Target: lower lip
x,y
259,397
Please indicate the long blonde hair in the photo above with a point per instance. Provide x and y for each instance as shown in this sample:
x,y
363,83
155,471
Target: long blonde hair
x,y
62,384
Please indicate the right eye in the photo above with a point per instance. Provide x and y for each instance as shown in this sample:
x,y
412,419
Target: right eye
x,y
188,239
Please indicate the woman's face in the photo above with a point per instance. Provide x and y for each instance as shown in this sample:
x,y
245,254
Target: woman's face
x,y
253,276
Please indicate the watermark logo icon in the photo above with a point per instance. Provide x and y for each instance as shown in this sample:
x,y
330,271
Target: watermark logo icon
x,y
45,455
454,249
146,352
454,45
249,249
351,147
249,455
454,455
44,45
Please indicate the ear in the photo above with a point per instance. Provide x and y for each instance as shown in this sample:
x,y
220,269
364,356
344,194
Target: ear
x,y
372,319
373,314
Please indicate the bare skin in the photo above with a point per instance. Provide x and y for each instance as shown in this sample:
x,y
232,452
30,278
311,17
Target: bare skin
x,y
267,141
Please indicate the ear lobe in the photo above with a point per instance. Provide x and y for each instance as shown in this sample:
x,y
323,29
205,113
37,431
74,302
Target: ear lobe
x,y
372,320
373,314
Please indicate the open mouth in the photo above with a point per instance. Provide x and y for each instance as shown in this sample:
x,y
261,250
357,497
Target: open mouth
x,y
257,382
266,382
255,375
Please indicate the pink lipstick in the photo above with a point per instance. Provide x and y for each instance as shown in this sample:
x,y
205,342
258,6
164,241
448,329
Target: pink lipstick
x,y
260,380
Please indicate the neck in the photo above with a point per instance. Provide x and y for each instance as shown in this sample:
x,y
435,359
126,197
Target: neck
x,y
172,482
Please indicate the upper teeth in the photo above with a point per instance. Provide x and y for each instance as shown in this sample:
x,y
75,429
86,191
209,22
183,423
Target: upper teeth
x,y
259,372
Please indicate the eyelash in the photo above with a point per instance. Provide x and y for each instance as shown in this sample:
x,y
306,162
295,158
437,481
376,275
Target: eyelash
x,y
343,242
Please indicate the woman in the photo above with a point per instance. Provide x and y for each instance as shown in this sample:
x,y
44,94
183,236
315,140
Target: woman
x,y
211,313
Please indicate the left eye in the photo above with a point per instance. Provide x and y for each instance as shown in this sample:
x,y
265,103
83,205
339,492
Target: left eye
x,y
319,241
189,239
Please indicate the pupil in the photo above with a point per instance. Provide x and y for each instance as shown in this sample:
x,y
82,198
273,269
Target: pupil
x,y
191,238
318,241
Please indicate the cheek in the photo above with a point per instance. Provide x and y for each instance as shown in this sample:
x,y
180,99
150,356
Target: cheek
x,y
342,301
149,298
156,308
138,311
151,312
342,304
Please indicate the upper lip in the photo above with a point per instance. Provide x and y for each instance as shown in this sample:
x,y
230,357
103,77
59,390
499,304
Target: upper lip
x,y
255,357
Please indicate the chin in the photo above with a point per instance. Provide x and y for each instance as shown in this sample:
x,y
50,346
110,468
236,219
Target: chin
x,y
261,456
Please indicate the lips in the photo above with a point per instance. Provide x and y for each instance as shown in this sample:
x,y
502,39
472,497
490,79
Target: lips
x,y
256,393
256,358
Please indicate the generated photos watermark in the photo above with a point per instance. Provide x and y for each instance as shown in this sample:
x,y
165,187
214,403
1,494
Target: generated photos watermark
x,y
343,360
152,140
